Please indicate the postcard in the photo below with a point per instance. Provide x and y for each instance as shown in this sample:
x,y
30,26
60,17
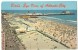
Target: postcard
x,y
39,25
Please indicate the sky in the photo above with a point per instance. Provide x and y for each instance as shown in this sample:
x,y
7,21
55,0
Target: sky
x,y
70,5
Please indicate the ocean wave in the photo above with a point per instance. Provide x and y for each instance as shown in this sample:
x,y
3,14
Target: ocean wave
x,y
61,20
72,21
53,18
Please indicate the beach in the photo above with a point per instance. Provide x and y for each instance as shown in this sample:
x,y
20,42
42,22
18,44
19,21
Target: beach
x,y
41,34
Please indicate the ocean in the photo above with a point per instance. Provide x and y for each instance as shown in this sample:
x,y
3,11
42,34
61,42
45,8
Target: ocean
x,y
65,19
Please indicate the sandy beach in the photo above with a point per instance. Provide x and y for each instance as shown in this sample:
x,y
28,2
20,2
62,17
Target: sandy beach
x,y
40,34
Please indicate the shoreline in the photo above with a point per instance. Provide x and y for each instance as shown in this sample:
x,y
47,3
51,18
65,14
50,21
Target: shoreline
x,y
60,21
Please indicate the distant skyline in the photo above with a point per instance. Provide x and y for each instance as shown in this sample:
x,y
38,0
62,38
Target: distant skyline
x,y
70,5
